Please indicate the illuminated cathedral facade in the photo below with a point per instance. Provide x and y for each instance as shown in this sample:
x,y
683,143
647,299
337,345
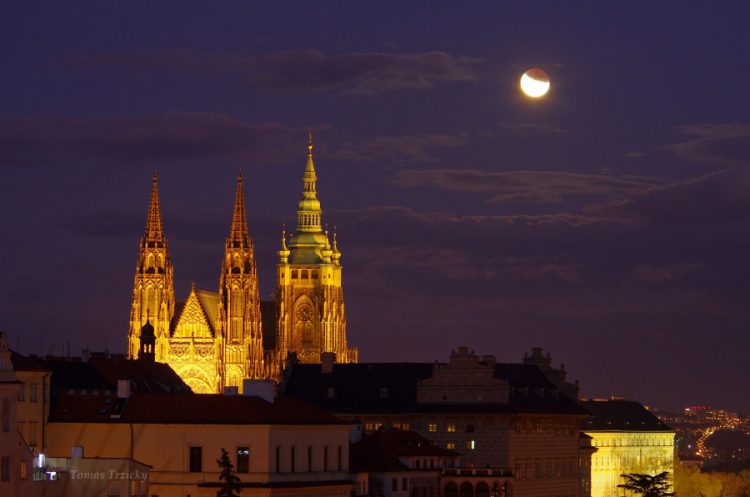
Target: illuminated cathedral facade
x,y
215,340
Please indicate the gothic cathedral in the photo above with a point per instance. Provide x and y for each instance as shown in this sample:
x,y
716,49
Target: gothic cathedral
x,y
217,340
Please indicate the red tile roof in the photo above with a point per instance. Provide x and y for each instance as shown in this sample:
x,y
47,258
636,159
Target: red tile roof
x,y
188,409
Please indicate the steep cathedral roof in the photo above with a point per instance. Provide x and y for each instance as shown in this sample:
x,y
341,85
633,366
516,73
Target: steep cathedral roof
x,y
199,304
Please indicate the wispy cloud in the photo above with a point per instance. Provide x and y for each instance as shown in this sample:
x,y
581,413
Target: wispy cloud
x,y
724,145
527,186
310,70
409,148
143,139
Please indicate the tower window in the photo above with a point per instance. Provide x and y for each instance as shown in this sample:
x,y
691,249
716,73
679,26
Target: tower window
x,y
294,273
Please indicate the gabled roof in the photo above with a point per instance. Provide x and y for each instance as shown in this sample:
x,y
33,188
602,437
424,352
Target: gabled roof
x,y
102,373
380,451
620,415
201,302
358,388
188,409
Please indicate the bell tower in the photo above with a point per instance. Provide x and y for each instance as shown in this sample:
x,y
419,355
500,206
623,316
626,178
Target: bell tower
x,y
239,302
153,287
310,295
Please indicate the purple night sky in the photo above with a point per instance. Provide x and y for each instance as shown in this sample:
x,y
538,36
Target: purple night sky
x,y
608,223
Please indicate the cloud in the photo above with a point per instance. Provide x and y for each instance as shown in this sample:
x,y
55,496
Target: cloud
x,y
716,144
397,148
545,128
311,70
721,197
658,274
544,187
143,139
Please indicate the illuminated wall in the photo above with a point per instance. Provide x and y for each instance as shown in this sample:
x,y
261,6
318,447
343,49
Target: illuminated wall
x,y
621,452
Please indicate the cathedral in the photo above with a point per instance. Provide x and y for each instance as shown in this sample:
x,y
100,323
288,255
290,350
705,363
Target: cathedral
x,y
215,340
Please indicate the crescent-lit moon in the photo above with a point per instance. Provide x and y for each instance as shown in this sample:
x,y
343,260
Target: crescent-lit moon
x,y
535,83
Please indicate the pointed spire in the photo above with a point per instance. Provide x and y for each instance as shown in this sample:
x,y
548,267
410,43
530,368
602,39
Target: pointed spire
x,y
238,232
308,211
154,232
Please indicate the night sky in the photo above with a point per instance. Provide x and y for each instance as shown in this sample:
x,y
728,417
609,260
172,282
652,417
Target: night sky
x,y
608,222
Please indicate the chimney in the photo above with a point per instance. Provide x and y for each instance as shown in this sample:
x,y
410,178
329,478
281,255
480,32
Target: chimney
x,y
326,362
123,389
490,360
265,389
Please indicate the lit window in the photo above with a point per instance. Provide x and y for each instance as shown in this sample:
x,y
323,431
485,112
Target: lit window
x,y
471,444
451,445
451,428
243,460
432,427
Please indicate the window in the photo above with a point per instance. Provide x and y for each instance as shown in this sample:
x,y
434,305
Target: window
x,y
338,457
5,468
451,428
33,387
325,458
330,393
32,433
471,444
383,392
404,484
6,414
292,453
278,459
469,428
394,484
451,445
432,427
23,470
196,459
22,393
243,459
309,458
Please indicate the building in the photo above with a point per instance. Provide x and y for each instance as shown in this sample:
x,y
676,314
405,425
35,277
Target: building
x,y
503,418
218,339
628,439
279,447
399,463
42,380
556,375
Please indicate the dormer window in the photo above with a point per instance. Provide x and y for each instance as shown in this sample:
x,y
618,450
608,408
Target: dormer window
x,y
383,392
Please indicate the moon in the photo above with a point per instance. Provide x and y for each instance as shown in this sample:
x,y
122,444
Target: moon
x,y
535,83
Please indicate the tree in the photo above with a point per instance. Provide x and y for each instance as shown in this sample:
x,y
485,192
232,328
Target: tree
x,y
648,485
231,480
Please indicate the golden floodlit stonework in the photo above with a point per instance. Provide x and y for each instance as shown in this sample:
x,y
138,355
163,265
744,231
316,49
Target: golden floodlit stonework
x,y
216,339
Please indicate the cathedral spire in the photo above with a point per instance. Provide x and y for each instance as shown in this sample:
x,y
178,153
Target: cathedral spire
x,y
238,231
154,232
308,212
